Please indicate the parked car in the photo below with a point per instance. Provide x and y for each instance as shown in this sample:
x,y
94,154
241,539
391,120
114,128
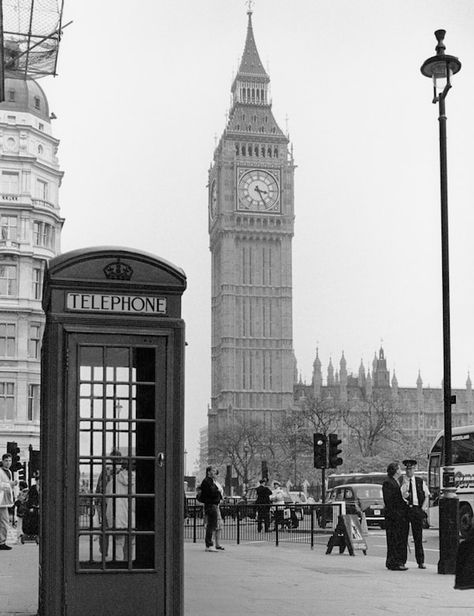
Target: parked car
x,y
299,498
358,498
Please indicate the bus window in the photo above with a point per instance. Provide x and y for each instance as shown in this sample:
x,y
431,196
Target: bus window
x,y
434,478
463,449
438,446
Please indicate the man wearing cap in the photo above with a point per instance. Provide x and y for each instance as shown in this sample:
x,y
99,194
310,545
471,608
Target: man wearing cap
x,y
416,494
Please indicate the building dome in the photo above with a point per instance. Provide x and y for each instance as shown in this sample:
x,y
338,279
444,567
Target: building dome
x,y
25,95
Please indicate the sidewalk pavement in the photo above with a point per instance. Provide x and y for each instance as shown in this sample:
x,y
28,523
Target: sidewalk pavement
x,y
259,579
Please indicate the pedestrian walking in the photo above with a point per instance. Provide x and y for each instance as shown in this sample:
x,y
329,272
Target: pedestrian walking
x,y
396,520
263,503
416,494
211,495
7,499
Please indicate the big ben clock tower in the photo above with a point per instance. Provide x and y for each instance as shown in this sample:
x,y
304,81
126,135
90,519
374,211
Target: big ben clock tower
x,y
251,221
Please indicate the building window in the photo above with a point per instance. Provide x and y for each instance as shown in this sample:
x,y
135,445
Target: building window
x,y
11,95
7,401
43,234
34,341
41,126
10,182
42,190
7,339
33,402
8,228
8,284
11,118
37,283
37,102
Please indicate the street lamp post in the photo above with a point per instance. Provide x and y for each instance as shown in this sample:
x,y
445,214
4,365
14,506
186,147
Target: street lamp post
x,y
441,68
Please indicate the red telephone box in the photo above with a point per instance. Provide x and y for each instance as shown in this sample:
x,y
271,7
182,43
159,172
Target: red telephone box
x,y
112,435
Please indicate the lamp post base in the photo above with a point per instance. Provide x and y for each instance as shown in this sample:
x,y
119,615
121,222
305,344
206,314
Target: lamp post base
x,y
448,533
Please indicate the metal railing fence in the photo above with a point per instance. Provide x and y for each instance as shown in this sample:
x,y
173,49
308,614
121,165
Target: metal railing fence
x,y
271,523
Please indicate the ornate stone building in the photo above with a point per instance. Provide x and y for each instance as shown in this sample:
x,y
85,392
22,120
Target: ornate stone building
x,y
421,408
251,220
30,226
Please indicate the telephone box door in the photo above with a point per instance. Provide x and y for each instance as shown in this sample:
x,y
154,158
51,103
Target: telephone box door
x,y
118,391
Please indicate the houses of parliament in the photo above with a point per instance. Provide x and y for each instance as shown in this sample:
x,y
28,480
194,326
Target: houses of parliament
x,y
251,212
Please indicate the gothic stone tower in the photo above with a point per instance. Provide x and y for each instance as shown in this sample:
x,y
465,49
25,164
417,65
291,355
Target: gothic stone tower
x,y
251,221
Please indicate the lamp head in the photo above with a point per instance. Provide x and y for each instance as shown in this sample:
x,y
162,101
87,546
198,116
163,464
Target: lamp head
x,y
440,68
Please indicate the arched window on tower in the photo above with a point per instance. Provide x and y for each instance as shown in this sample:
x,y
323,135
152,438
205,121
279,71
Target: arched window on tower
x,y
275,152
249,148
253,94
256,150
248,94
263,151
237,149
258,96
269,152
243,150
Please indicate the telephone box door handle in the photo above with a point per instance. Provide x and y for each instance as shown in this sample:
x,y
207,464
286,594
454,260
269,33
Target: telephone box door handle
x,y
161,459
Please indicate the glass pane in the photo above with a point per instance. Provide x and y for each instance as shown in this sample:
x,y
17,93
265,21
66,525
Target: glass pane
x,y
98,374
145,476
90,356
121,548
85,390
121,391
117,510
145,513
89,553
97,408
145,552
97,439
145,438
97,391
144,361
117,357
85,373
145,403
86,512
85,409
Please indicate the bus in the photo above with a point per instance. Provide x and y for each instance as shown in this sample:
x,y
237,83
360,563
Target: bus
x,y
463,462
376,477
343,478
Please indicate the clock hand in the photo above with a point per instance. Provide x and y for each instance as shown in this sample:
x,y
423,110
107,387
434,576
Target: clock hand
x,y
260,191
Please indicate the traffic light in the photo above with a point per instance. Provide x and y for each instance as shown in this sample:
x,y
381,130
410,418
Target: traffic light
x,y
264,470
14,451
22,472
320,453
334,451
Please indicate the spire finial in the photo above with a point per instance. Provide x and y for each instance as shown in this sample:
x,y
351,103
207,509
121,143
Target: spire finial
x,y
249,4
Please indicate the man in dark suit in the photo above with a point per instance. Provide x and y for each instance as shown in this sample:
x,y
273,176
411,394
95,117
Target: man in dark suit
x,y
416,494
396,520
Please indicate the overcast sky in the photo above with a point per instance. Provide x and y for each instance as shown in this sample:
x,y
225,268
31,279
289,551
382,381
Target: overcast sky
x,y
142,93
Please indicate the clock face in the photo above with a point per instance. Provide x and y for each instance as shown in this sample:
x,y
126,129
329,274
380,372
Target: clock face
x,y
213,199
259,191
